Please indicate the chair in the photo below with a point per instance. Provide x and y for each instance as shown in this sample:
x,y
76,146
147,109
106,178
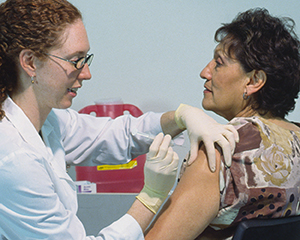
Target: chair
x,y
269,229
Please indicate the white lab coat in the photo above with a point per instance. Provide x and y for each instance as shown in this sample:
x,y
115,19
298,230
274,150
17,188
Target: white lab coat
x,y
37,197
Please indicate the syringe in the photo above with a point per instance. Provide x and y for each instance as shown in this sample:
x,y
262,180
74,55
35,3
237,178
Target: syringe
x,y
151,136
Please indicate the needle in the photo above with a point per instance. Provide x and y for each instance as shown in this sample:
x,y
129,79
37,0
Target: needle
x,y
151,136
146,135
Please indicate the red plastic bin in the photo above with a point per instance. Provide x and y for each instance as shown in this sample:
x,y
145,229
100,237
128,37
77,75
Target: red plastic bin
x,y
124,179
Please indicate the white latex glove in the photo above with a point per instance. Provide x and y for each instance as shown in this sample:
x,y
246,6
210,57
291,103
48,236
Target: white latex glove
x,y
160,173
201,127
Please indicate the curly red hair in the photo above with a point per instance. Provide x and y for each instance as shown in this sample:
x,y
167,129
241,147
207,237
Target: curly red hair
x,y
29,24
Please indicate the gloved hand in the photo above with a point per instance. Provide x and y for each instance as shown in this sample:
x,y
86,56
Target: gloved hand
x,y
201,127
160,173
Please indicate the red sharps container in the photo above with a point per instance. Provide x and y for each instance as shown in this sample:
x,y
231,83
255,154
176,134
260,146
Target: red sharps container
x,y
123,178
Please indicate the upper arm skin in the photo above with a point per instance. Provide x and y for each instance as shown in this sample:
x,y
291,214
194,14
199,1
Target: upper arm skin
x,y
192,206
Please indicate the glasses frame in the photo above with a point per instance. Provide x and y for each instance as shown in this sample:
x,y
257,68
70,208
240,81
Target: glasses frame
x,y
87,60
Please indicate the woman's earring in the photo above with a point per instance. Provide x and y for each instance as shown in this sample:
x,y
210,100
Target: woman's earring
x,y
32,79
245,96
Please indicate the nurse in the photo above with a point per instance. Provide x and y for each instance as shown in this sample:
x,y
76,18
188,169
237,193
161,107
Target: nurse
x,y
44,59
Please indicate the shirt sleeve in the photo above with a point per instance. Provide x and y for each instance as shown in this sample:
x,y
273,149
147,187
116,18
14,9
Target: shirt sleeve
x,y
126,228
90,140
31,208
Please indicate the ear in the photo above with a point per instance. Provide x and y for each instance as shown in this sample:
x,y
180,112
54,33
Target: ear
x,y
26,59
257,80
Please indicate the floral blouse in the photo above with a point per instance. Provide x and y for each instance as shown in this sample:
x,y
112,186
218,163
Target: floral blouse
x,y
264,178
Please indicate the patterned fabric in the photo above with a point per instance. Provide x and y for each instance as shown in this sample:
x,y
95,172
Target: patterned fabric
x,y
263,181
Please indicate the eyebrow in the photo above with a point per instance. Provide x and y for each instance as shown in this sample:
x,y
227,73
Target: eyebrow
x,y
78,53
222,55
218,55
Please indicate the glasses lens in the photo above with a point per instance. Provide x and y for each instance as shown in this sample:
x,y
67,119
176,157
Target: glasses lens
x,y
89,59
80,62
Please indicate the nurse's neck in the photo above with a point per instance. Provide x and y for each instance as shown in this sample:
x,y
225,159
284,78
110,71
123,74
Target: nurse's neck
x,y
35,113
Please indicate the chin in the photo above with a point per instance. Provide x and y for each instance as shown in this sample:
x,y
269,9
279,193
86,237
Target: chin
x,y
65,105
206,106
209,105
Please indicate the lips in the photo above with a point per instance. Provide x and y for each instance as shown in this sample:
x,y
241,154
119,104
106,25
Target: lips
x,y
73,90
207,89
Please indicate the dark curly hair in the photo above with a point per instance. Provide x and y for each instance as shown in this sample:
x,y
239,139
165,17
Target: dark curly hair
x,y
260,41
29,24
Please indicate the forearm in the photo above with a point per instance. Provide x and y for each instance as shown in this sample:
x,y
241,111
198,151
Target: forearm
x,y
141,214
168,124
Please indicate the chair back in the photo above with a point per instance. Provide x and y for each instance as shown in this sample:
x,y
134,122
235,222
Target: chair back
x,y
269,229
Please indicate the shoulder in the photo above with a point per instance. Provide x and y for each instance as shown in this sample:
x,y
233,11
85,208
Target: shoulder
x,y
10,140
61,119
249,123
249,133
13,145
21,167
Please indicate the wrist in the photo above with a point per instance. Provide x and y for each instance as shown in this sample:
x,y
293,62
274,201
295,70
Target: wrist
x,y
141,214
179,116
151,200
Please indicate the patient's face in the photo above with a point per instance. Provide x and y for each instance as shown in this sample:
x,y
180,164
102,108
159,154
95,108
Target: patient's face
x,y
225,84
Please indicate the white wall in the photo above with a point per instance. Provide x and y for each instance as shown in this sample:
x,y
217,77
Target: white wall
x,y
150,52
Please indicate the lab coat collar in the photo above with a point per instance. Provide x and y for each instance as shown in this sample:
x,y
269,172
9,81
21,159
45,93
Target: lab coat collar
x,y
46,130
20,121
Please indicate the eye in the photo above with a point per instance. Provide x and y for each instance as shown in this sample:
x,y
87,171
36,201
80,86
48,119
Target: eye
x,y
218,63
75,59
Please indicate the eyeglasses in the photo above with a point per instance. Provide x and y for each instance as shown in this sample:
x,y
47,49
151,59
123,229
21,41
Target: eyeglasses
x,y
79,63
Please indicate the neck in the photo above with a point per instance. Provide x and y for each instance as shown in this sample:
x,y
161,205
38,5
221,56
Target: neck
x,y
35,113
247,112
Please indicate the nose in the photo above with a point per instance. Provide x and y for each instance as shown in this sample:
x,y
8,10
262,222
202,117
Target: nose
x,y
206,72
85,73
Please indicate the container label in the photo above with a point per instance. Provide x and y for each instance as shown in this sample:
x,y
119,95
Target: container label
x,y
130,165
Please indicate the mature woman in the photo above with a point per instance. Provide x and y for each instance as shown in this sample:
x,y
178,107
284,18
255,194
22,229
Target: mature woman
x,y
252,81
43,62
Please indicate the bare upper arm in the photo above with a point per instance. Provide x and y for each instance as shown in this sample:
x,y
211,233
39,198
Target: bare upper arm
x,y
193,205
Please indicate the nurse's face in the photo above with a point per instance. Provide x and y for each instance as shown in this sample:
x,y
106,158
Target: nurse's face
x,y
225,84
57,81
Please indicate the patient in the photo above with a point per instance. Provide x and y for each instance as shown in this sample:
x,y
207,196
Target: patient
x,y
252,81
